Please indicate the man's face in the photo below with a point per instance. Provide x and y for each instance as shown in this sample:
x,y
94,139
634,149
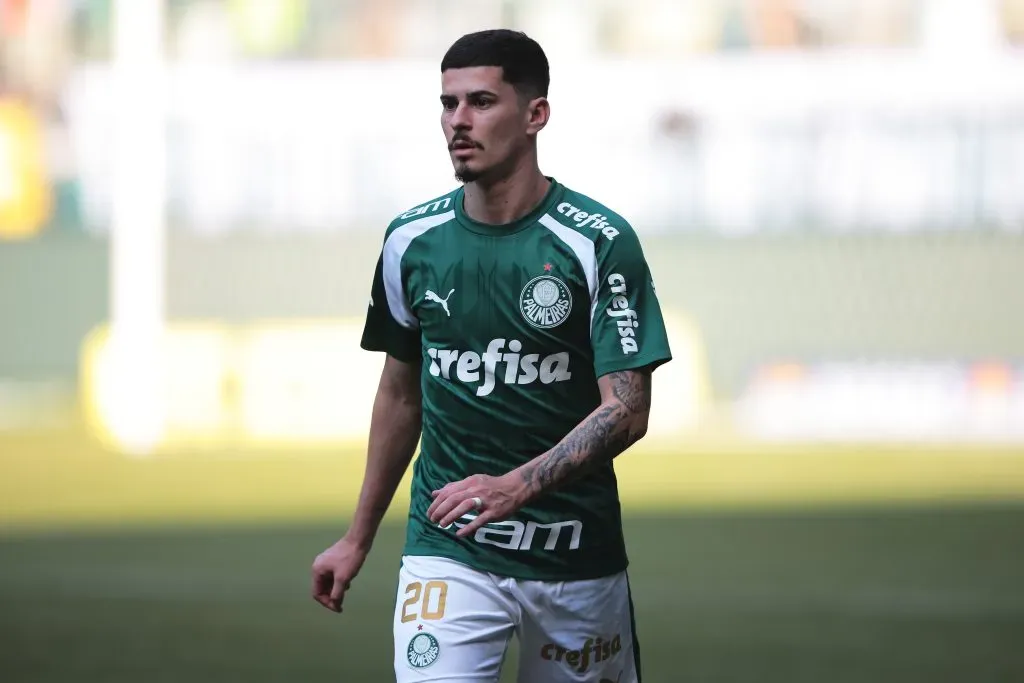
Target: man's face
x,y
486,123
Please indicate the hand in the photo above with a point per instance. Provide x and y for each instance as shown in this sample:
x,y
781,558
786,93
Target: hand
x,y
333,572
500,496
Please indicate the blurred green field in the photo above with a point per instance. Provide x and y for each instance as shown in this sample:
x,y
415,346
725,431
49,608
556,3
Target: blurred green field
x,y
915,594
777,564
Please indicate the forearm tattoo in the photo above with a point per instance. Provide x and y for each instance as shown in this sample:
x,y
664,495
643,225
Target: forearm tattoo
x,y
606,432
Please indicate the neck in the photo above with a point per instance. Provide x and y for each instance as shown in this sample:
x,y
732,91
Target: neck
x,y
508,198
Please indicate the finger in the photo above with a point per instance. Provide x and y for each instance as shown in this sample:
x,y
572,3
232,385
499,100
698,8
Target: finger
x,y
325,601
439,496
321,583
445,506
339,588
446,490
323,597
338,592
481,519
457,513
458,485
449,485
449,497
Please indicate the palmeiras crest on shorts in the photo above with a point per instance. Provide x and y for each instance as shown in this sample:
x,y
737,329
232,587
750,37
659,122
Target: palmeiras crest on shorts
x,y
545,301
423,650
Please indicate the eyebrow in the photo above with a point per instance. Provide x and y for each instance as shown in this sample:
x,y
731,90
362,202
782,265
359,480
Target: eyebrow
x,y
473,93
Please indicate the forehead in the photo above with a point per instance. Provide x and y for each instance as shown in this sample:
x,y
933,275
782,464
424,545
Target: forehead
x,y
474,78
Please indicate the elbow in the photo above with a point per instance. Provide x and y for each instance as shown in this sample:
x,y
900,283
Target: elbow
x,y
398,404
632,421
638,429
408,400
415,409
636,424
410,404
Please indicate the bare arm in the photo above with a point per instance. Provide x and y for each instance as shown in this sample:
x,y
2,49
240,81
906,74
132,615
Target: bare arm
x,y
615,425
394,431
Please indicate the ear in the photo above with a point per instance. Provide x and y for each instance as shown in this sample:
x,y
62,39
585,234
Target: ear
x,y
538,111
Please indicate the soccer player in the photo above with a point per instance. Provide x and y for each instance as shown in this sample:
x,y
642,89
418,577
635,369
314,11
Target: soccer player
x,y
521,329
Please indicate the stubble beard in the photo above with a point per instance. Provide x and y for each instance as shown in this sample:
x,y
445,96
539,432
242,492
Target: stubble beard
x,y
464,174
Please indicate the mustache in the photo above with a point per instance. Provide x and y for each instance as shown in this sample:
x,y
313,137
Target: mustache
x,y
463,138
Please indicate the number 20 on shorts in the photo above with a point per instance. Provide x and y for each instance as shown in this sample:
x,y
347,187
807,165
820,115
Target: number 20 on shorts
x,y
427,599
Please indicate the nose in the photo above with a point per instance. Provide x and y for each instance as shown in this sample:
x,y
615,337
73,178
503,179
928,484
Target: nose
x,y
459,119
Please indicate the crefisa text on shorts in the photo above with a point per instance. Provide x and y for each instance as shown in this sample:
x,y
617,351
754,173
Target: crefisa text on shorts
x,y
593,650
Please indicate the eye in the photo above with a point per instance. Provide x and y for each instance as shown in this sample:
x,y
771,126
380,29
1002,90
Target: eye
x,y
449,104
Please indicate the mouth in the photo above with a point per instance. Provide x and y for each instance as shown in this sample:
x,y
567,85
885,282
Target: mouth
x,y
462,145
463,153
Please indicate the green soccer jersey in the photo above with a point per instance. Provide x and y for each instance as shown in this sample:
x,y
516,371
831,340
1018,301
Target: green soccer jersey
x,y
514,324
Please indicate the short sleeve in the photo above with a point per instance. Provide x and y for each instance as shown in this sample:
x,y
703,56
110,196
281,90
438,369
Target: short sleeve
x,y
628,329
382,331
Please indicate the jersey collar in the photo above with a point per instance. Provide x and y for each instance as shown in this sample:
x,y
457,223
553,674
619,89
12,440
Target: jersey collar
x,y
554,192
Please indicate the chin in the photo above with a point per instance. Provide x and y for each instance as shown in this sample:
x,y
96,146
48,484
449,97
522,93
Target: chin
x,y
465,174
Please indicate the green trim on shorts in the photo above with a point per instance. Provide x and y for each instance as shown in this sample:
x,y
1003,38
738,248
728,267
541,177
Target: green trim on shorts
x,y
632,628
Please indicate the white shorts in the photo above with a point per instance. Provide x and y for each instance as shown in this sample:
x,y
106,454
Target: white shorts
x,y
454,623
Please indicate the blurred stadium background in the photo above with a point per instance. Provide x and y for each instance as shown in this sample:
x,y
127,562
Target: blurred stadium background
x,y
831,196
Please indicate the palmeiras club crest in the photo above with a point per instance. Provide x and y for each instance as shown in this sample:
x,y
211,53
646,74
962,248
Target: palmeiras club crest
x,y
423,650
545,301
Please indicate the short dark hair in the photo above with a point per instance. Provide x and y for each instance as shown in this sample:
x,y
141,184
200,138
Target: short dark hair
x,y
522,60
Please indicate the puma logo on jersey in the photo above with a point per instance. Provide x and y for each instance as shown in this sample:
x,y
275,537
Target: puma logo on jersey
x,y
583,219
432,296
627,321
510,366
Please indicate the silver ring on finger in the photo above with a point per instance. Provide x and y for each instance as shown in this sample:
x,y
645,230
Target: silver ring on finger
x,y
478,503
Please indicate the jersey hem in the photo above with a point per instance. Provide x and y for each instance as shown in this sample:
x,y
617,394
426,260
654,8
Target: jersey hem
x,y
392,351
632,364
523,574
